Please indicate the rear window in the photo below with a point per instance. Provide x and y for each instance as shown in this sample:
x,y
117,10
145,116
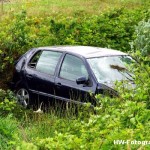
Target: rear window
x,y
45,61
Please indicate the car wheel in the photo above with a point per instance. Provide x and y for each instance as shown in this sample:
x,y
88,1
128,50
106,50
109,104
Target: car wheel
x,y
23,97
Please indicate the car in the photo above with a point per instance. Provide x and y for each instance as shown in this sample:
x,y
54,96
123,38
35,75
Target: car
x,y
68,73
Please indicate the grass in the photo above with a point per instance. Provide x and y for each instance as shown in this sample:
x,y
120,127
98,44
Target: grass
x,y
66,7
41,125
86,130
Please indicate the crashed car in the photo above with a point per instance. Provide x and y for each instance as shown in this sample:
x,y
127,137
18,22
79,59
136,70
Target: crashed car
x,y
68,73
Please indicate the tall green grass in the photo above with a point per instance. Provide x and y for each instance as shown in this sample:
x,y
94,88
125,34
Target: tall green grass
x,y
67,8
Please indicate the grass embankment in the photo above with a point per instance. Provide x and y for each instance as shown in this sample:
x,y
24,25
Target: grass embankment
x,y
67,8
125,118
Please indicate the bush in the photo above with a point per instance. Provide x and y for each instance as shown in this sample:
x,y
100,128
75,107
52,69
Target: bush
x,y
8,131
9,105
7,102
113,29
21,32
142,40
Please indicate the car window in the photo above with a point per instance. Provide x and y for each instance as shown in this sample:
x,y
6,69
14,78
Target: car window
x,y
45,61
72,68
34,60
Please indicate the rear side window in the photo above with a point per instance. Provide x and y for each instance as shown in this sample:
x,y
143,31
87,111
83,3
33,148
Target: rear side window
x,y
45,61
34,60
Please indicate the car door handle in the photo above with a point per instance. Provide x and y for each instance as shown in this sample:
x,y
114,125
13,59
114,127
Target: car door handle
x,y
58,84
29,76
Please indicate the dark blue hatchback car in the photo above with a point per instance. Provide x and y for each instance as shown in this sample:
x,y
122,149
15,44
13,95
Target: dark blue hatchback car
x,y
68,73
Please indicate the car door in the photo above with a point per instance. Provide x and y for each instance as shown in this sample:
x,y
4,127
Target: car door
x,y
30,72
67,89
44,72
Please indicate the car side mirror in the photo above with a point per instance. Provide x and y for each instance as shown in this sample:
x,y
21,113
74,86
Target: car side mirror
x,y
82,80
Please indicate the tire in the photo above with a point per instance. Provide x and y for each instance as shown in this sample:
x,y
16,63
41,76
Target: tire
x,y
23,97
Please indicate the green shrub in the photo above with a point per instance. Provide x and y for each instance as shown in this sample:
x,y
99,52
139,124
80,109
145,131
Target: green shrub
x,y
112,29
9,105
20,32
7,102
8,131
142,40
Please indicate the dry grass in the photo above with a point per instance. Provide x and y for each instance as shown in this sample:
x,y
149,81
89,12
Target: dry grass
x,y
66,7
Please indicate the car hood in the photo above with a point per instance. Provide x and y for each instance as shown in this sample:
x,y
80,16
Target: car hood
x,y
124,84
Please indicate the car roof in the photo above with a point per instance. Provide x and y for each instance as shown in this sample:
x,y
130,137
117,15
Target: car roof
x,y
85,51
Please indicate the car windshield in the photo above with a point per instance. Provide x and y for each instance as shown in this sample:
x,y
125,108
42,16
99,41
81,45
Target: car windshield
x,y
111,68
